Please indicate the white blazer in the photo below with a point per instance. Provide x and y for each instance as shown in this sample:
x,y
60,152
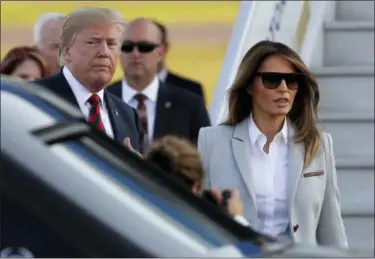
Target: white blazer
x,y
314,197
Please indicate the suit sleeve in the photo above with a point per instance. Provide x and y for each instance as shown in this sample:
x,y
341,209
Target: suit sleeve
x,y
201,91
331,230
200,119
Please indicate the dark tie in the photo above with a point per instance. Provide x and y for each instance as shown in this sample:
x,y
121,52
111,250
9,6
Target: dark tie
x,y
142,113
94,115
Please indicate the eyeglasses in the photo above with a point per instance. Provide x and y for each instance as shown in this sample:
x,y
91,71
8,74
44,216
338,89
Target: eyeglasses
x,y
272,80
142,46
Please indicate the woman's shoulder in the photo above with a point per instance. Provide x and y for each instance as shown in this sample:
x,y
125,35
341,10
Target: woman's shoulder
x,y
214,138
325,143
326,140
325,134
217,130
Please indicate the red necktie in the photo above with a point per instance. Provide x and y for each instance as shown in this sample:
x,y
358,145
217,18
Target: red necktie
x,y
94,114
142,113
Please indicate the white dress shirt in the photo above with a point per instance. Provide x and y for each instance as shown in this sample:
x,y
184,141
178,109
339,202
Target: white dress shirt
x,y
82,95
269,175
241,220
151,93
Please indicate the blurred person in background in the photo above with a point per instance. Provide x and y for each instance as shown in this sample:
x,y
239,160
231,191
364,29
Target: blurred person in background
x,y
165,75
271,150
163,109
47,31
89,48
179,158
25,63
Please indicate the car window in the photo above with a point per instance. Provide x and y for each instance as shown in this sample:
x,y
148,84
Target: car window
x,y
160,210
38,218
139,180
16,109
42,98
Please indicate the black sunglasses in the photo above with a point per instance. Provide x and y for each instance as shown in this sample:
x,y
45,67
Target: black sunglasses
x,y
142,46
272,80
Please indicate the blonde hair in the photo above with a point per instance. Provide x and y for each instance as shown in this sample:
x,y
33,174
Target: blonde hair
x,y
83,18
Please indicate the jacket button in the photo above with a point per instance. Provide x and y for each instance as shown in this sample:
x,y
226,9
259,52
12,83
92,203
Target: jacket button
x,y
295,228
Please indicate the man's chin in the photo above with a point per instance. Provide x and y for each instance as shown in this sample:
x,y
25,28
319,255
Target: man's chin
x,y
101,81
137,71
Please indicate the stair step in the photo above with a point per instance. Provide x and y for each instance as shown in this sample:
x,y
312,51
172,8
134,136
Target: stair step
x,y
353,143
360,231
344,70
355,10
354,163
352,117
357,191
349,43
360,213
346,90
346,84
349,26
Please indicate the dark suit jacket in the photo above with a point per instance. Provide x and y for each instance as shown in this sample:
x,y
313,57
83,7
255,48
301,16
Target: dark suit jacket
x,y
124,119
178,112
187,84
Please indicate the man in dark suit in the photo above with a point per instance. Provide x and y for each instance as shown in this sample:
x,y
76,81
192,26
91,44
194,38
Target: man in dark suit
x,y
89,53
89,47
166,76
164,109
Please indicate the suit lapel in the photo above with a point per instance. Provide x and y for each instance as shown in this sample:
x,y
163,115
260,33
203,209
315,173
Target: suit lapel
x,y
163,111
241,153
63,89
116,122
116,89
169,78
296,155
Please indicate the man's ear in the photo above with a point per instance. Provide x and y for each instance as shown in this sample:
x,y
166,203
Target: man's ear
x,y
166,48
66,54
161,52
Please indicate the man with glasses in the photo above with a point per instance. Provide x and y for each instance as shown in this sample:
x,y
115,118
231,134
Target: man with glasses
x,y
163,109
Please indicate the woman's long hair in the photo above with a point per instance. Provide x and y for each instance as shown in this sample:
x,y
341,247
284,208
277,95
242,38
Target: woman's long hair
x,y
18,55
304,112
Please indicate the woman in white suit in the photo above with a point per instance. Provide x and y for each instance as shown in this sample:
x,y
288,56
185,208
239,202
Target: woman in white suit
x,y
270,149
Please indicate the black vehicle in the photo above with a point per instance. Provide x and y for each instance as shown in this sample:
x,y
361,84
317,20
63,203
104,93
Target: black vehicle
x,y
63,180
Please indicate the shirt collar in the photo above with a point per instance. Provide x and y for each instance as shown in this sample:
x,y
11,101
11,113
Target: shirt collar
x,y
163,74
81,93
151,91
255,133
